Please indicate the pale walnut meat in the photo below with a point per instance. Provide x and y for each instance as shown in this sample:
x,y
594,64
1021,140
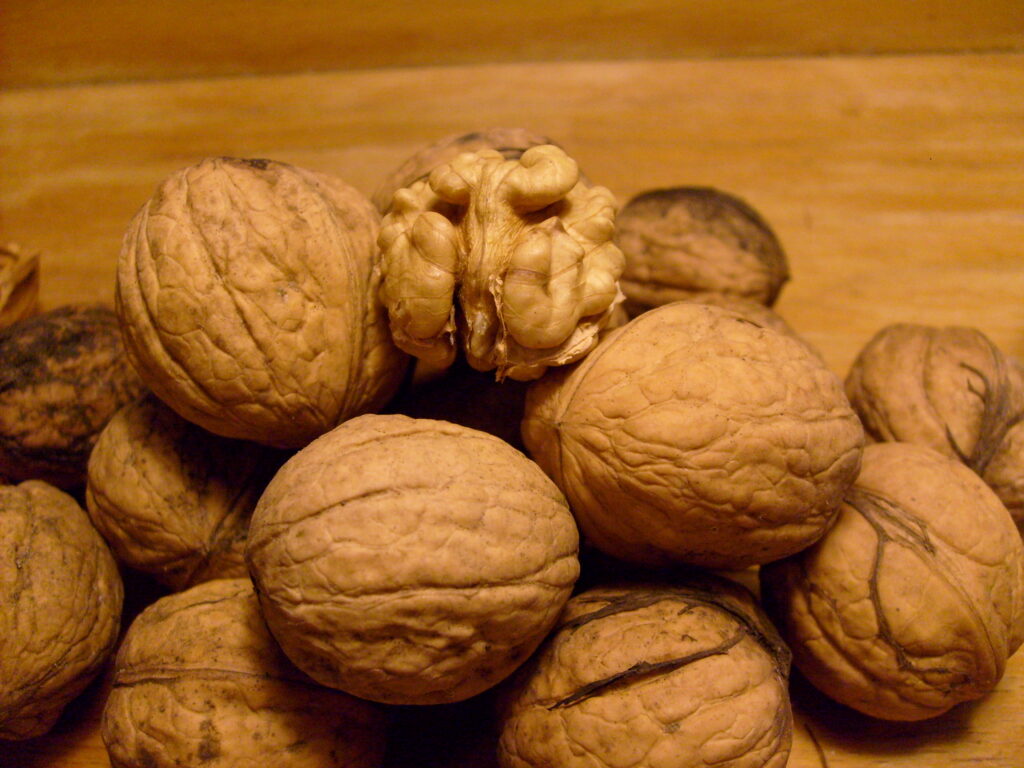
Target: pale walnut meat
x,y
247,294
694,435
199,680
172,499
653,674
684,240
950,389
509,141
64,373
511,260
411,561
19,283
914,599
61,595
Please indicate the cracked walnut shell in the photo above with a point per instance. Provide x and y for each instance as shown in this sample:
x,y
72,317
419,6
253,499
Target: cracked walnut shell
x,y
411,561
695,435
914,600
248,298
512,260
61,595
653,674
198,680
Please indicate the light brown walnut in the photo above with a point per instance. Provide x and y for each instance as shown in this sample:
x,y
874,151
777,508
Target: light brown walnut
x,y
411,561
19,283
198,680
248,297
914,599
61,597
695,435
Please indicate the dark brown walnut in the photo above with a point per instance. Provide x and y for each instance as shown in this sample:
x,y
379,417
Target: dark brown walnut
x,y
914,599
950,389
695,435
411,561
64,374
684,240
510,142
171,499
248,298
198,680
61,595
19,284
656,674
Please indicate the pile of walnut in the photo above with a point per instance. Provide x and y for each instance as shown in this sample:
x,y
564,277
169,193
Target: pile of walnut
x,y
602,410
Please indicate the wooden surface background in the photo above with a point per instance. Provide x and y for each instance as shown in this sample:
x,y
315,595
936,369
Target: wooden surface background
x,y
893,174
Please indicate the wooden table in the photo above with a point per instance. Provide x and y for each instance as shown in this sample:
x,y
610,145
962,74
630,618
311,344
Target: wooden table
x,y
895,183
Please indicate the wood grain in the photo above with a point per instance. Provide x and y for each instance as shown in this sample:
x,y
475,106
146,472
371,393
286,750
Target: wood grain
x,y
896,185
64,41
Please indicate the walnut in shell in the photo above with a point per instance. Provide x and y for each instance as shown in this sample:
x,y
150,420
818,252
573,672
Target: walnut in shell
x,y
694,435
199,681
64,374
950,389
171,499
914,599
653,675
411,561
61,595
512,260
685,240
19,284
248,299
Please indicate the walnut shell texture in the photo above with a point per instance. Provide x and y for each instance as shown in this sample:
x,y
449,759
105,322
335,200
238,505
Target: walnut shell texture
x,y
64,375
684,240
172,499
198,680
61,595
247,294
411,561
653,675
914,599
950,389
694,435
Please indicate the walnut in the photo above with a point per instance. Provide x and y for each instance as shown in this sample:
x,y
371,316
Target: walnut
x,y
64,374
679,674
694,435
510,142
684,240
61,595
199,681
171,499
755,312
914,600
411,561
950,389
514,258
247,295
19,284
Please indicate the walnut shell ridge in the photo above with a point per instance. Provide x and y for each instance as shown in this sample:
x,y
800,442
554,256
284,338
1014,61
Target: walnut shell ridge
x,y
248,298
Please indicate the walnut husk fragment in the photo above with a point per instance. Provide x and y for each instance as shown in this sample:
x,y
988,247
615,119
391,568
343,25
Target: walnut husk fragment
x,y
19,283
61,595
411,561
64,375
914,599
198,680
653,674
172,499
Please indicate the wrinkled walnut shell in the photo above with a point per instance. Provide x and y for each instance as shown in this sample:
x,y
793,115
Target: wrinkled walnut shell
x,y
171,499
914,599
64,374
694,435
61,595
199,681
685,240
411,561
653,674
248,298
